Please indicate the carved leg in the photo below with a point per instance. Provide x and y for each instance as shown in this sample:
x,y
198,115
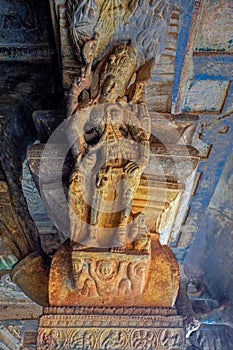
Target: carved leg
x,y
93,220
77,208
122,231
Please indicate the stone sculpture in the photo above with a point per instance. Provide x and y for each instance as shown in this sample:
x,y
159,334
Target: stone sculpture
x,y
119,156
107,138
113,260
109,255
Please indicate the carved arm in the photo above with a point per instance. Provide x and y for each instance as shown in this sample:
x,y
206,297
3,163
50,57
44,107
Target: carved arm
x,y
79,84
142,138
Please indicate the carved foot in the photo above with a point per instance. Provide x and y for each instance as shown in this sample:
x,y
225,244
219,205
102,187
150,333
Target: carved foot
x,y
118,247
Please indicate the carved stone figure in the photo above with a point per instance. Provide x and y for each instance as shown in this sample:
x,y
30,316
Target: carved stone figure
x,y
140,235
113,258
84,284
143,339
116,159
105,84
99,17
108,140
114,340
97,277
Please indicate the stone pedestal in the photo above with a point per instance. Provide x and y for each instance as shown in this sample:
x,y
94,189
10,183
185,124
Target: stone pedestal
x,y
122,328
124,279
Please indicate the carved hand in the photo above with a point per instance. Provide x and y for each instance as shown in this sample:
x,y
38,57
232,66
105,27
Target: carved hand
x,y
85,80
79,84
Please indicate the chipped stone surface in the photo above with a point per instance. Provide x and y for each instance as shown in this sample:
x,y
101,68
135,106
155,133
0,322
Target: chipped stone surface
x,y
215,27
205,95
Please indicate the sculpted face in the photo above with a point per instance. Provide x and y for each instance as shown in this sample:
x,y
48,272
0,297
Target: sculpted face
x,y
141,220
117,73
78,265
106,268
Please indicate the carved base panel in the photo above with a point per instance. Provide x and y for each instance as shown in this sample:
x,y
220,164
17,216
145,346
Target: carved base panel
x,y
91,278
97,278
111,328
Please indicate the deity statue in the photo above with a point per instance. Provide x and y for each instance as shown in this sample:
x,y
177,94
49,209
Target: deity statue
x,y
107,282
111,257
111,143
117,161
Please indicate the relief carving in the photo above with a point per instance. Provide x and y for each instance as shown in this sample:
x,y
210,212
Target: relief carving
x,y
116,161
110,338
112,256
113,339
98,277
81,340
75,23
85,285
99,17
171,339
104,82
124,279
140,235
50,340
144,339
